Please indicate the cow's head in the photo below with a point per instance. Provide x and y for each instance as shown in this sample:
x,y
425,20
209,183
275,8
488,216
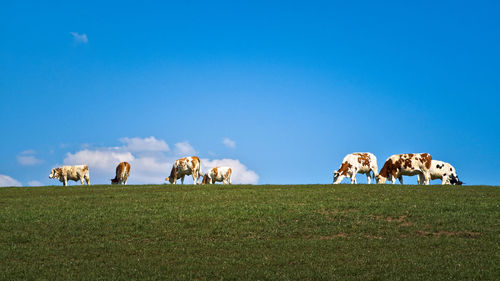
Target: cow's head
x,y
173,175
336,175
454,180
169,179
205,179
114,181
55,173
381,179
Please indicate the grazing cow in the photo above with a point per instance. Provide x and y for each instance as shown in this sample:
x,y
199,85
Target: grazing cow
x,y
443,171
220,174
399,165
185,166
65,173
122,173
360,162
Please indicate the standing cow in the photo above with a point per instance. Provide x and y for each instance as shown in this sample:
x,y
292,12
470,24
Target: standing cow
x,y
185,166
360,162
122,173
443,171
399,165
75,173
219,174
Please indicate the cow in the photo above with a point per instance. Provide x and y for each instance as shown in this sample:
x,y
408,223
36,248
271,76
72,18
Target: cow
x,y
220,174
75,173
185,166
359,162
443,171
399,165
122,173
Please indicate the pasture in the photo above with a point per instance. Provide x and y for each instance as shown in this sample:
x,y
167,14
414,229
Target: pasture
x,y
244,232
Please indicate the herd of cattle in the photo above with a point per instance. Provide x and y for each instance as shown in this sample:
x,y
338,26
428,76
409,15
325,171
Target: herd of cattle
x,y
182,167
395,167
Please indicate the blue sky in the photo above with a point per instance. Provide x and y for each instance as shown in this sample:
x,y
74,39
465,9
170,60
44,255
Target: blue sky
x,y
291,86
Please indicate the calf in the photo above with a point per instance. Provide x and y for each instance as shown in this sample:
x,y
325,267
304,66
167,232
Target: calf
x,y
399,165
122,173
185,166
443,171
65,173
354,163
220,174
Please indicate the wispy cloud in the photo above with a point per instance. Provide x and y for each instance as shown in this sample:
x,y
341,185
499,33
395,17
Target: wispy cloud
x,y
79,38
8,181
34,183
145,144
28,158
229,143
184,149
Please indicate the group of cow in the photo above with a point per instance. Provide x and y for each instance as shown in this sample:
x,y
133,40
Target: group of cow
x,y
182,167
395,167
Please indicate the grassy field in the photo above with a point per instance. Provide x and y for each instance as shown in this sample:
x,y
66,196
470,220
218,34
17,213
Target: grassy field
x,y
298,232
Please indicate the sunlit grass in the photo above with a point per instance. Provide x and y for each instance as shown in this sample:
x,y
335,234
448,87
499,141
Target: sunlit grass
x,y
342,232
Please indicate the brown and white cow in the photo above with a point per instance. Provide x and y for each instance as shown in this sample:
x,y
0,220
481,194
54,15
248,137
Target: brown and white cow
x,y
185,166
75,173
399,165
443,171
122,173
359,162
219,174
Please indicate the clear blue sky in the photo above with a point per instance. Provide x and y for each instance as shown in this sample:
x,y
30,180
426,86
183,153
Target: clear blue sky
x,y
295,85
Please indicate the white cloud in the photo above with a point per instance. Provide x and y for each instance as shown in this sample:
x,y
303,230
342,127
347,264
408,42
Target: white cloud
x,y
146,144
184,149
34,183
229,143
28,158
79,38
241,174
98,159
8,181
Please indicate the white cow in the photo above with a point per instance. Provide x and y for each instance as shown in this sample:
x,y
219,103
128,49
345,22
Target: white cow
x,y
75,173
220,174
399,165
122,173
359,162
185,166
443,171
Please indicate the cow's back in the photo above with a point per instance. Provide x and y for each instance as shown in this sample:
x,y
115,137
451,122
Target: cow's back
x,y
74,172
122,171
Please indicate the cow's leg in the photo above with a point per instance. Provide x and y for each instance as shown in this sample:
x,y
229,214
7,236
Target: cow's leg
x,y
81,180
182,179
125,180
400,179
445,180
369,177
427,177
195,177
393,177
87,179
65,181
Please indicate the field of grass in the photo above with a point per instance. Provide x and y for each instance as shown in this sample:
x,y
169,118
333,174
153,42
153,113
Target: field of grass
x,y
297,232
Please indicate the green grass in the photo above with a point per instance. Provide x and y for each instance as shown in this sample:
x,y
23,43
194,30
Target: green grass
x,y
305,232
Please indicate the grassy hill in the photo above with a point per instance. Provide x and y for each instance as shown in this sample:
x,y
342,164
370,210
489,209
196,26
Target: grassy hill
x,y
306,232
